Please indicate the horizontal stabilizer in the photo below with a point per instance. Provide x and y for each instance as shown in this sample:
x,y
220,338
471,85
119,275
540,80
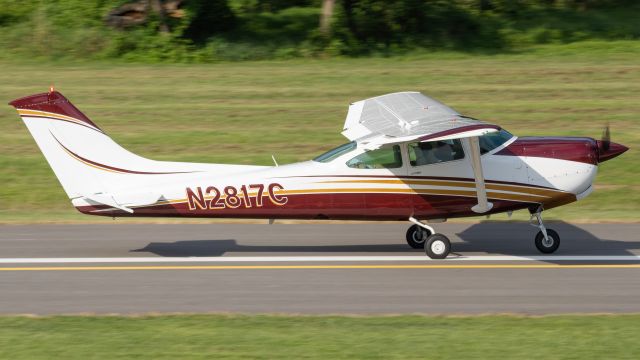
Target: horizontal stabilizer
x,y
106,199
124,201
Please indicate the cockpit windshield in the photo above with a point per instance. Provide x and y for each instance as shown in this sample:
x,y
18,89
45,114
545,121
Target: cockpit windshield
x,y
492,140
337,152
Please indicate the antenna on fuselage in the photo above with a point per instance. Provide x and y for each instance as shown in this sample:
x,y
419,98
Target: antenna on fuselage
x,y
274,160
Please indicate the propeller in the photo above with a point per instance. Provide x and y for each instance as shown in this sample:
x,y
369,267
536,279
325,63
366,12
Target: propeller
x,y
606,138
606,149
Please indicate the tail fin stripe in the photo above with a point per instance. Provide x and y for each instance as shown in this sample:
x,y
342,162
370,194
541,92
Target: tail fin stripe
x,y
112,168
69,121
53,116
45,113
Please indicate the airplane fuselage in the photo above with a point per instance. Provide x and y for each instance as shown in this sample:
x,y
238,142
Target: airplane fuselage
x,y
522,173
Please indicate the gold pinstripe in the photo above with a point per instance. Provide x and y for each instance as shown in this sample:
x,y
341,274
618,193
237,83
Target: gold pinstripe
x,y
25,112
494,195
466,184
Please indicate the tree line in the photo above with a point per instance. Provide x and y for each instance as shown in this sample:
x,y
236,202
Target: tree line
x,y
211,30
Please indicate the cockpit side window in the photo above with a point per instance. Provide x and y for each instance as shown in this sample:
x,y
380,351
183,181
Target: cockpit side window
x,y
383,158
434,152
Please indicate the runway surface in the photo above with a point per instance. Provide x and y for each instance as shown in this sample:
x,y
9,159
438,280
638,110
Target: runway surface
x,y
315,269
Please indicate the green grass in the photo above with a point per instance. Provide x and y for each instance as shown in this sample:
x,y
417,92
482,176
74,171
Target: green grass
x,y
244,112
322,337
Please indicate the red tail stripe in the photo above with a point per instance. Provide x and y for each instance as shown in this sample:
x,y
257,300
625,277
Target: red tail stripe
x,y
53,102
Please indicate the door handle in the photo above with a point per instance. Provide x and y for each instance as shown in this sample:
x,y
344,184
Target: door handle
x,y
415,173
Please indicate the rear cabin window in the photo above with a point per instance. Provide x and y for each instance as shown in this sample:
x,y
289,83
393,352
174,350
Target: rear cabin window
x,y
492,140
336,152
434,152
383,158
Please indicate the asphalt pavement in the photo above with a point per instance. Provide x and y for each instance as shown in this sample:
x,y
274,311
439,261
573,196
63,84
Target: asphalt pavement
x,y
315,269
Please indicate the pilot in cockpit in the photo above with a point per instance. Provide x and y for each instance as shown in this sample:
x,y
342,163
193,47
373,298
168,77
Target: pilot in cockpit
x,y
432,152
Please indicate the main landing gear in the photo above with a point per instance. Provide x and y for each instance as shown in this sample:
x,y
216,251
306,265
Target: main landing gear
x,y
417,236
422,236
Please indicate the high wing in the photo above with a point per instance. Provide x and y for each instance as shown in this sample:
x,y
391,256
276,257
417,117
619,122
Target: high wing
x,y
408,116
411,116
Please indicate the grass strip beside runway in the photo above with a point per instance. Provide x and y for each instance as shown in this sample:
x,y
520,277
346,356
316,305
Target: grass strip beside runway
x,y
320,337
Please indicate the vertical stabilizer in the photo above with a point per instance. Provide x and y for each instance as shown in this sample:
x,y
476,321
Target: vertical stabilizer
x,y
84,159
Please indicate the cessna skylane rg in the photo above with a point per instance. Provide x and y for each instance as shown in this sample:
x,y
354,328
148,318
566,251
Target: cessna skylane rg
x,y
410,157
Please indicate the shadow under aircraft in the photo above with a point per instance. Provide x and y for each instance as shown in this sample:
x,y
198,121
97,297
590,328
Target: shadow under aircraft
x,y
489,237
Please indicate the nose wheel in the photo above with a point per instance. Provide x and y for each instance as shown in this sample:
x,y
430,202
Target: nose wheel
x,y
547,240
548,245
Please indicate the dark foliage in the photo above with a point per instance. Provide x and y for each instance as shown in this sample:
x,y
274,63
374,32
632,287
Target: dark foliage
x,y
413,23
208,17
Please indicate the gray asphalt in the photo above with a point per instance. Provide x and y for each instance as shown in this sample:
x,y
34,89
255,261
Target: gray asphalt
x,y
313,291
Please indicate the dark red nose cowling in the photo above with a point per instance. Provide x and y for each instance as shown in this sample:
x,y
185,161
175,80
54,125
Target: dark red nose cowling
x,y
580,149
610,150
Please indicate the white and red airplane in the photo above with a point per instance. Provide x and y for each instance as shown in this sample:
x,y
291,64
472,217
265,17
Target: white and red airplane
x,y
410,158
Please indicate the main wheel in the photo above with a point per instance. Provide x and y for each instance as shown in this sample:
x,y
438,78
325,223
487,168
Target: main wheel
x,y
438,246
548,246
417,236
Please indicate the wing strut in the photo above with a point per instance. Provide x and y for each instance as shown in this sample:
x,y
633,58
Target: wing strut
x,y
483,205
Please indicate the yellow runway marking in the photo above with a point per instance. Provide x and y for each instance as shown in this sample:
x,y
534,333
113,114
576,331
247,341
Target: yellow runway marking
x,y
325,267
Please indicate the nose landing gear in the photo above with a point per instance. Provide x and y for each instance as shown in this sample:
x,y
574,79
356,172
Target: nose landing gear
x,y
547,240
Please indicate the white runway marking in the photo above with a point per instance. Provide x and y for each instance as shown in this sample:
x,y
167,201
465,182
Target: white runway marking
x,y
262,259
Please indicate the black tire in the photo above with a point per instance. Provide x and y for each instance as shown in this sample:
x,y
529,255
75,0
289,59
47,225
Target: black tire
x,y
438,246
417,236
547,248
